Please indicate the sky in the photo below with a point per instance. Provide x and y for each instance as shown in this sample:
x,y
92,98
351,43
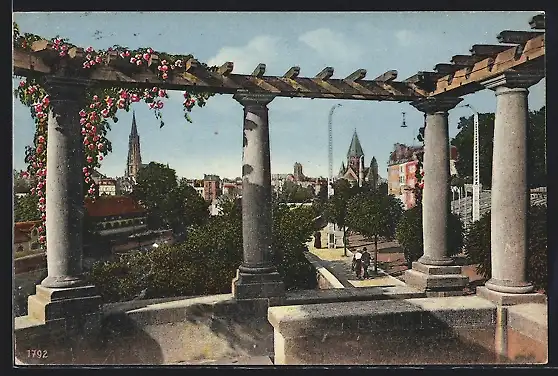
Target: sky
x,y
376,41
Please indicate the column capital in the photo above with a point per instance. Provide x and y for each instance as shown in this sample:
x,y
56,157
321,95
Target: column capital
x,y
245,98
432,105
514,79
65,89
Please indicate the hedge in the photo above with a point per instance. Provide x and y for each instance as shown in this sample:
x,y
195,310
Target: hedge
x,y
477,246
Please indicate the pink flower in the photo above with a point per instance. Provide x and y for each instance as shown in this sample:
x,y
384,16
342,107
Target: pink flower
x,y
98,59
88,57
163,62
88,125
178,63
152,105
86,65
150,50
154,89
127,53
164,68
83,131
92,105
42,238
62,53
138,62
82,121
121,103
87,180
123,94
42,200
95,138
90,191
162,93
91,146
96,98
100,157
64,47
85,141
133,60
41,139
146,56
21,83
160,104
100,146
164,76
135,98
82,113
89,49
89,159
105,112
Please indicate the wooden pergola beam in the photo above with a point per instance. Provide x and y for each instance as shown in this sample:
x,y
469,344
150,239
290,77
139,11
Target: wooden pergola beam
x,y
486,50
445,68
468,80
466,60
292,73
517,37
119,72
538,22
357,75
387,76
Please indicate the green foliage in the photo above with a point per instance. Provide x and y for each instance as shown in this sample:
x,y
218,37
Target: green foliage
x,y
25,208
207,261
374,215
478,247
292,192
409,234
536,147
170,204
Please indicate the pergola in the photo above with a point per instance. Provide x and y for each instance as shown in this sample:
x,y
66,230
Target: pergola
x,y
508,68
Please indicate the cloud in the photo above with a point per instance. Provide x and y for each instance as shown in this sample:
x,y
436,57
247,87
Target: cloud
x,y
330,44
406,38
261,49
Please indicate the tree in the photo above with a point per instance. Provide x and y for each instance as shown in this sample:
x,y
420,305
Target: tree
x,y
21,184
26,208
156,190
536,148
409,234
292,192
374,215
195,208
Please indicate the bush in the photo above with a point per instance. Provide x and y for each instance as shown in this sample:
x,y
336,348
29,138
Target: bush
x,y
207,261
409,234
478,248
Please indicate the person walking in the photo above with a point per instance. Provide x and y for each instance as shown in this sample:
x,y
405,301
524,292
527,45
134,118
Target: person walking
x,y
365,262
357,264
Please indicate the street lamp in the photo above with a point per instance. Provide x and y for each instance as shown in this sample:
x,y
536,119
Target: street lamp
x,y
330,233
476,175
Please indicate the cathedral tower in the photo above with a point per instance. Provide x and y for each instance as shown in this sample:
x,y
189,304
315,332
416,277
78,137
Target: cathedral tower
x,y
134,155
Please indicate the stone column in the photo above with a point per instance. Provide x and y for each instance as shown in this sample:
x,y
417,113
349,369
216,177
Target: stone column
x,y
510,192
434,271
63,293
257,276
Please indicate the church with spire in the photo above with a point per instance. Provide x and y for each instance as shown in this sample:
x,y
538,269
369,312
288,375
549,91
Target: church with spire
x,y
355,170
133,163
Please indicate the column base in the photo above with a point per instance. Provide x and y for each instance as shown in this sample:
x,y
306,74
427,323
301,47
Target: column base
x,y
502,298
509,287
62,282
52,304
444,261
437,280
257,286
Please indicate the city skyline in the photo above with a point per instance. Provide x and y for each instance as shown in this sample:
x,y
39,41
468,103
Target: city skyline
x,y
298,127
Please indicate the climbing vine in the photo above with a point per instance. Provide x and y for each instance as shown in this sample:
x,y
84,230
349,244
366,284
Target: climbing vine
x,y
101,105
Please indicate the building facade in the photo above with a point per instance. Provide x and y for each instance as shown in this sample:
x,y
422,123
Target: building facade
x,y
402,168
211,187
107,187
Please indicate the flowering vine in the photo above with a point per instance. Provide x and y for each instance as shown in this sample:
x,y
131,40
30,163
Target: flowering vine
x,y
102,104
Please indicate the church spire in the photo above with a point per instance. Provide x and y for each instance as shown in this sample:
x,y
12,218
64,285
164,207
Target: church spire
x,y
355,150
134,154
134,131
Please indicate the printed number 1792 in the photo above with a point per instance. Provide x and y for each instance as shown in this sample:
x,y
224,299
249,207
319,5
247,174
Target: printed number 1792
x,y
36,353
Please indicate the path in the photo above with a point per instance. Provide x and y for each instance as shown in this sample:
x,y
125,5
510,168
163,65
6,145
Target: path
x,y
391,263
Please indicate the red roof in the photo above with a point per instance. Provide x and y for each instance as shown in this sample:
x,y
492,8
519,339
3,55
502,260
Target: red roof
x,y
20,236
107,206
26,226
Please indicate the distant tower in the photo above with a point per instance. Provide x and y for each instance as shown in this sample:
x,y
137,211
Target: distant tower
x,y
354,153
134,155
298,175
373,177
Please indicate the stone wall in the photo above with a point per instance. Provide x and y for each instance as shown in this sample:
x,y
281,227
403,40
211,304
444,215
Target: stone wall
x,y
450,330
29,271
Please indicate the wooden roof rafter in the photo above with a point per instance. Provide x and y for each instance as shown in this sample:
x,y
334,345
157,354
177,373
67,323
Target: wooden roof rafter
x,y
519,50
43,60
